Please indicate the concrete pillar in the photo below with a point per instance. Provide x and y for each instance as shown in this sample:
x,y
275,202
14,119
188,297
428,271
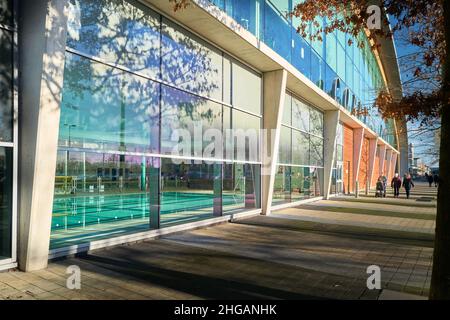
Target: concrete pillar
x,y
388,163
358,141
330,123
372,157
382,158
273,105
42,41
402,134
394,164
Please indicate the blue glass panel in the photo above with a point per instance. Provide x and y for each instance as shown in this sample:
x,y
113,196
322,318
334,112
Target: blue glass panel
x,y
219,3
246,13
281,5
330,81
331,50
277,32
301,54
317,70
340,70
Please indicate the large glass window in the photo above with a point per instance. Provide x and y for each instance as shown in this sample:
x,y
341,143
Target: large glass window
x,y
98,195
6,86
190,63
285,148
299,183
316,122
246,89
185,116
282,185
300,154
241,187
316,146
287,110
7,124
187,191
300,148
300,115
116,31
137,89
105,108
246,136
6,183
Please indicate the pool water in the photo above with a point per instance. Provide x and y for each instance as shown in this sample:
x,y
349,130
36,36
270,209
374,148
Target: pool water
x,y
82,211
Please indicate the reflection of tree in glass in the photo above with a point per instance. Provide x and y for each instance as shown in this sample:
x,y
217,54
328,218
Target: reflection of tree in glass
x,y
316,122
128,34
6,85
300,115
6,12
316,151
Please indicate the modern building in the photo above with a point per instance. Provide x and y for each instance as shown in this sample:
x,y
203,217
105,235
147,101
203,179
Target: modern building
x,y
97,94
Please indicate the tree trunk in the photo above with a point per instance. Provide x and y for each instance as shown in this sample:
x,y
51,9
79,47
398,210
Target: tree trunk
x,y
440,280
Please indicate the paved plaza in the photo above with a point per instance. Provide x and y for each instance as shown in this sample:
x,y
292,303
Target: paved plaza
x,y
319,250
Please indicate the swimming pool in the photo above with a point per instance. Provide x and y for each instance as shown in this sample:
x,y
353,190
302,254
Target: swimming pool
x,y
82,211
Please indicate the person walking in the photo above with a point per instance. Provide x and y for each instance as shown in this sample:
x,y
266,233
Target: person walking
x,y
430,179
408,184
379,188
436,180
385,181
396,184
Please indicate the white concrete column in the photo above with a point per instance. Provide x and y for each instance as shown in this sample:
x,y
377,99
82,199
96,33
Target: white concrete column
x,y
382,158
394,163
330,123
388,163
358,141
402,134
42,41
372,157
273,105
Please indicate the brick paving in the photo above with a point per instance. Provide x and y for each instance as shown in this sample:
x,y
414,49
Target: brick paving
x,y
314,251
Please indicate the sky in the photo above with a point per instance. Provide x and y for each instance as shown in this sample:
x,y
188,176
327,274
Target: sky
x,y
422,140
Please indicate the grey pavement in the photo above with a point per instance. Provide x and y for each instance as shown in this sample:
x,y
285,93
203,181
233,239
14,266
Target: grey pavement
x,y
319,250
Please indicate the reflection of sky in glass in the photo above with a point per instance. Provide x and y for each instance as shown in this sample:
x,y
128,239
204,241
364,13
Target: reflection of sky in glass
x,y
357,68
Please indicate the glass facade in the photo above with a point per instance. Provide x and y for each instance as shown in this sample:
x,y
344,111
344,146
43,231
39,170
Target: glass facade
x,y
299,173
137,89
7,139
349,74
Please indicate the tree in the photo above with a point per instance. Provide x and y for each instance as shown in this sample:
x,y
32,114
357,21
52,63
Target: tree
x,y
427,25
